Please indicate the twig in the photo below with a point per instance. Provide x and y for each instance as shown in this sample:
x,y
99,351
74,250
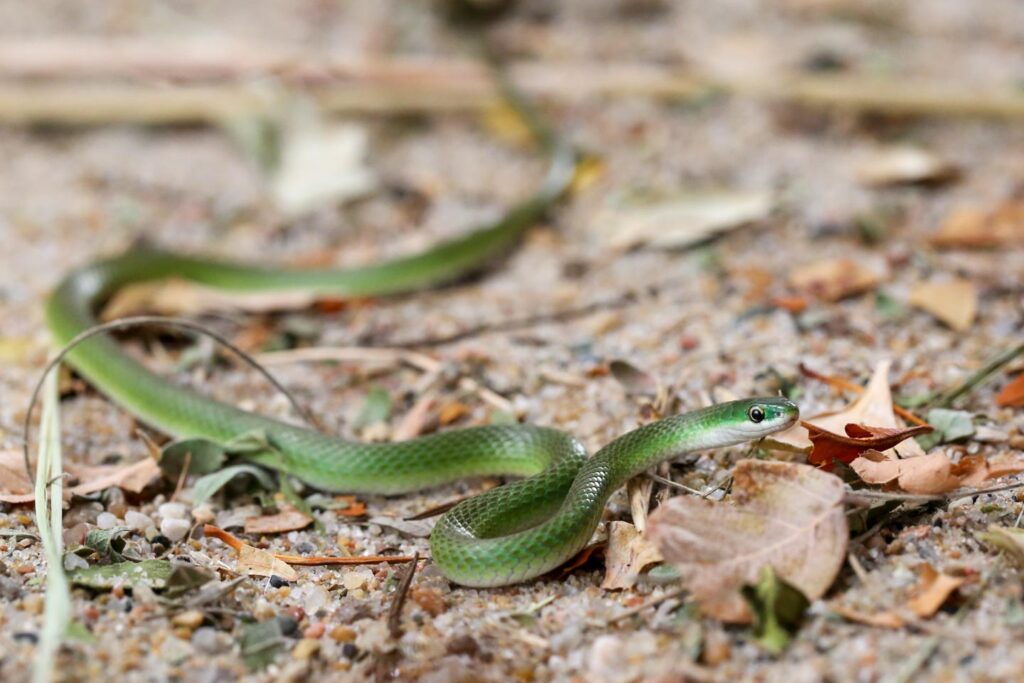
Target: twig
x,y
306,560
183,475
674,484
395,613
859,496
210,84
651,602
359,354
140,321
990,368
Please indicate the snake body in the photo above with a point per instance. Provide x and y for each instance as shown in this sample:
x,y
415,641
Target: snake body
x,y
506,535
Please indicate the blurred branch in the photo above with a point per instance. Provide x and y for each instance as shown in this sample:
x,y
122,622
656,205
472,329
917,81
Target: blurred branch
x,y
88,82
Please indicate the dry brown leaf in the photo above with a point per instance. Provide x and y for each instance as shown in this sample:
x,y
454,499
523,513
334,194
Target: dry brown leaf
x,y
971,228
932,473
629,553
878,619
932,590
15,486
287,520
830,447
180,297
681,221
954,303
453,411
834,279
904,166
1012,395
256,562
873,407
786,515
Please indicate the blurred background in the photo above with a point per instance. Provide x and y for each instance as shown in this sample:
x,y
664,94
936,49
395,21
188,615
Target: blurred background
x,y
761,185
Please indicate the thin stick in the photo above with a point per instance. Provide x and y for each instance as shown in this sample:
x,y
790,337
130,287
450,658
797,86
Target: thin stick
x,y
856,497
140,321
985,373
651,602
305,560
395,613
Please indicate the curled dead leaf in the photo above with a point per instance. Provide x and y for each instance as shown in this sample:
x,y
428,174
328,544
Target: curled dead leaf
x,y
874,407
932,473
786,515
932,590
829,447
15,486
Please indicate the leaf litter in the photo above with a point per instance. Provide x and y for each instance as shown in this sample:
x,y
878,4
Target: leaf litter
x,y
784,515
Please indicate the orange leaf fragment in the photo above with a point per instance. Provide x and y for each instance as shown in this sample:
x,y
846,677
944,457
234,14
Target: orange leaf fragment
x,y
878,619
828,447
1012,395
833,279
932,590
974,229
955,302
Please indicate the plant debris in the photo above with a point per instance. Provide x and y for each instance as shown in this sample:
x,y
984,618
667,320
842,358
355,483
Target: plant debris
x,y
783,515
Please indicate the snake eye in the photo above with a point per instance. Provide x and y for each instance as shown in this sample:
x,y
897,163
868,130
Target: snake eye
x,y
756,413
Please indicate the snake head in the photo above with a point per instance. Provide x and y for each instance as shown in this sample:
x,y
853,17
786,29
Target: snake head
x,y
759,417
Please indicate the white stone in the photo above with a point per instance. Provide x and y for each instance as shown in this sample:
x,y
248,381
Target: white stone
x,y
203,514
175,529
173,511
106,520
137,520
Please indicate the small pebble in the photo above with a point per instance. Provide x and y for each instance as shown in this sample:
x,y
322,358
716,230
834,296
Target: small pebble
x,y
106,520
208,640
306,648
343,634
33,604
315,630
463,645
192,619
349,650
277,582
203,514
116,504
174,528
137,520
173,511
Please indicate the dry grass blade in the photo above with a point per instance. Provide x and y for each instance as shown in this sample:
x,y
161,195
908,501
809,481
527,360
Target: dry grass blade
x,y
49,520
305,560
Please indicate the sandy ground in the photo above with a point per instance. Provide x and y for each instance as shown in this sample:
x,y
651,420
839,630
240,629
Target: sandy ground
x,y
67,196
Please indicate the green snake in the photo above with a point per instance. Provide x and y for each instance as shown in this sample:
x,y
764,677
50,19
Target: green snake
x,y
506,535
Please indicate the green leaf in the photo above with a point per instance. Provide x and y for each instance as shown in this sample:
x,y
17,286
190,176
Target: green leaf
x,y
184,578
152,573
79,632
377,408
1008,539
209,484
502,417
110,543
950,425
778,609
261,642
